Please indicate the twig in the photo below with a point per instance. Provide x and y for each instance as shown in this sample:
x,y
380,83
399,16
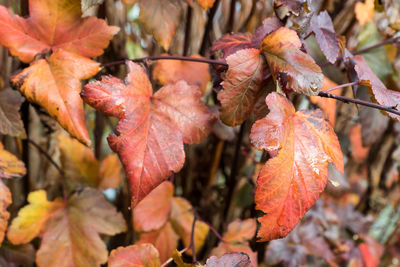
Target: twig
x,y
171,259
341,86
360,102
192,246
187,30
144,59
384,42
59,169
209,26
213,230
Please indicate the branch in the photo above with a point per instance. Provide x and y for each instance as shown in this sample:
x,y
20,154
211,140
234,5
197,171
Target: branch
x,y
384,42
59,169
213,230
171,259
341,86
360,102
192,237
153,58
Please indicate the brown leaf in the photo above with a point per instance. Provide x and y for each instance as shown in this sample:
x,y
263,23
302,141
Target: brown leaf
x,y
382,95
268,25
54,84
290,66
10,119
326,36
194,73
10,166
241,84
144,255
160,18
290,183
230,259
152,128
154,210
231,43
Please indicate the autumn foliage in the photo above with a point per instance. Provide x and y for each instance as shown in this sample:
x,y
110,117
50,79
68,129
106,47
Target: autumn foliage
x,y
199,133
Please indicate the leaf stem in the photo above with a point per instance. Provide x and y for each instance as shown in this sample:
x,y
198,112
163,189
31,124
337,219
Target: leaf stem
x,y
153,58
360,102
384,42
59,169
341,86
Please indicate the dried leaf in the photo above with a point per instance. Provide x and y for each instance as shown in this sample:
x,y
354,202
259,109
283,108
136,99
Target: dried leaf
x,y
54,84
194,73
10,166
86,4
231,43
54,25
268,25
152,128
326,36
240,231
289,66
143,255
110,172
70,231
230,259
182,219
5,201
241,85
160,18
154,210
298,174
15,256
10,119
382,95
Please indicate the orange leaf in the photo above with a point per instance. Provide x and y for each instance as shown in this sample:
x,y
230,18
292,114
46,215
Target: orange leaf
x,y
10,119
164,239
382,95
81,166
291,67
328,105
206,4
231,43
144,255
290,183
240,231
70,231
152,128
5,201
53,25
54,84
242,84
364,11
154,210
160,18
182,219
358,152
194,73
10,166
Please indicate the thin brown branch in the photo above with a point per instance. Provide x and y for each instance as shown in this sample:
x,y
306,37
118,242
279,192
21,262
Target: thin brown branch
x,y
341,86
50,159
360,102
384,42
213,230
153,58
192,246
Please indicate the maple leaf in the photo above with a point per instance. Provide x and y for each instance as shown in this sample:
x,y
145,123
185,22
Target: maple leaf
x,y
54,83
54,25
231,43
169,71
154,210
235,239
289,66
327,105
164,239
81,166
69,230
143,255
382,95
290,183
152,128
10,119
326,36
160,18
241,85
